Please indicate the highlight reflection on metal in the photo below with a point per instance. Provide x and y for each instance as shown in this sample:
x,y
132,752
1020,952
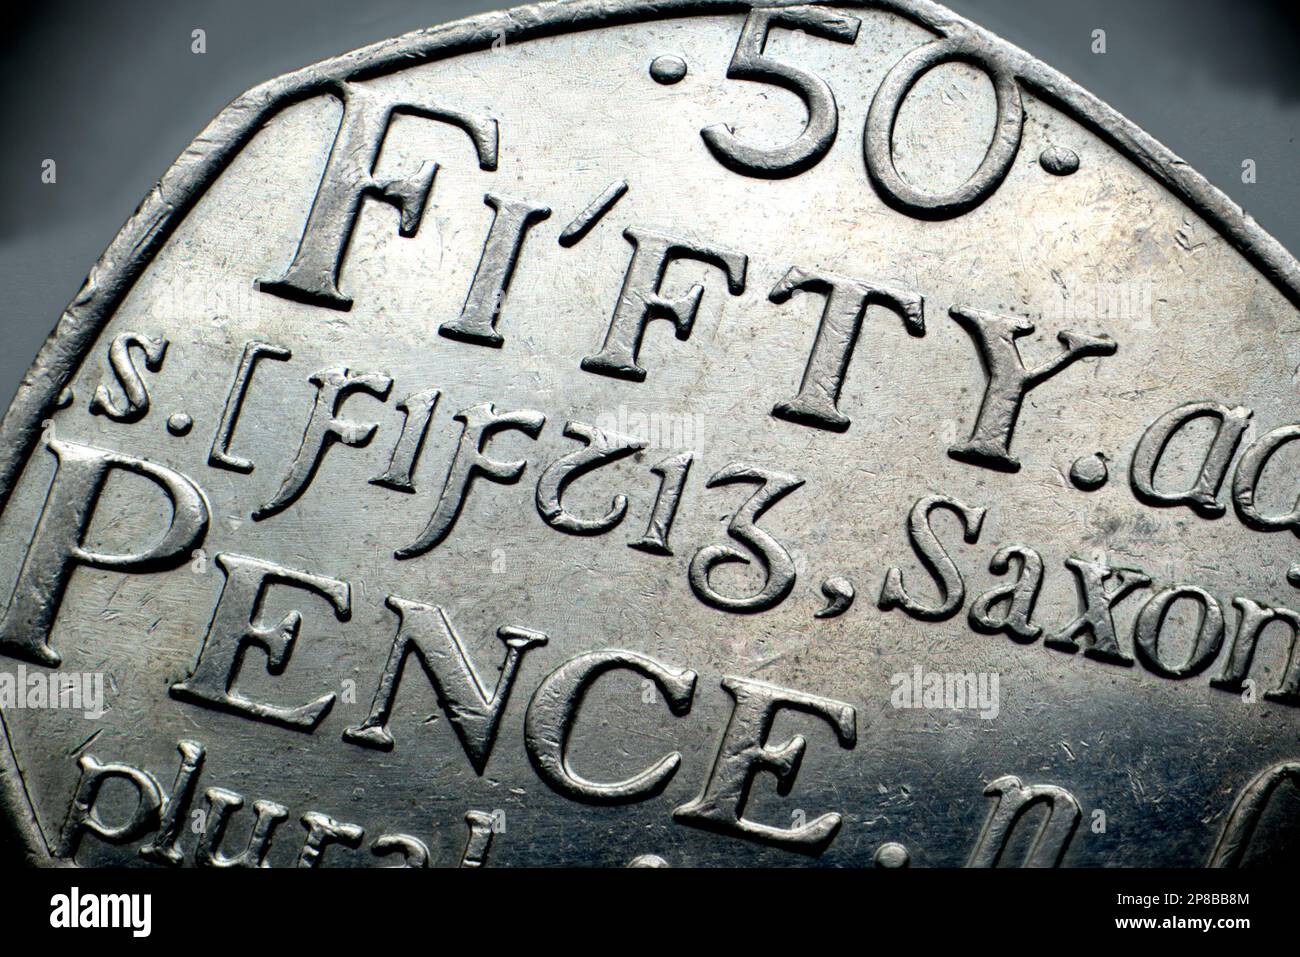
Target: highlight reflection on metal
x,y
408,520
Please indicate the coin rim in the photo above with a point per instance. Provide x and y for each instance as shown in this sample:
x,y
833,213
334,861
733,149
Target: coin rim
x,y
149,228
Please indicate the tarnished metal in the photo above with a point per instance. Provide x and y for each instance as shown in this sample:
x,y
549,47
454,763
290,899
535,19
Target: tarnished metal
x,y
366,489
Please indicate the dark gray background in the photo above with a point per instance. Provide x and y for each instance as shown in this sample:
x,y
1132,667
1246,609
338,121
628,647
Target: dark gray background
x,y
112,93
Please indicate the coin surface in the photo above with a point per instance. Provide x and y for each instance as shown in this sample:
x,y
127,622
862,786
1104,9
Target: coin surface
x,y
668,434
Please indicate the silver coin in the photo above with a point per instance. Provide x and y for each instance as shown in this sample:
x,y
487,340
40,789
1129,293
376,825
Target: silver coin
x,y
662,435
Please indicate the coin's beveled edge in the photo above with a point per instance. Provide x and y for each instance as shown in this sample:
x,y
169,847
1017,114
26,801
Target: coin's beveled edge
x,y
203,160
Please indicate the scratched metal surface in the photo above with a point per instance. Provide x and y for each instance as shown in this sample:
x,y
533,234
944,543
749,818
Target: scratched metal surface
x,y
1208,317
